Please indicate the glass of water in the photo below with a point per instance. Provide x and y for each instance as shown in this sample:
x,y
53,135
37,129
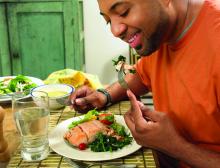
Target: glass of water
x,y
32,119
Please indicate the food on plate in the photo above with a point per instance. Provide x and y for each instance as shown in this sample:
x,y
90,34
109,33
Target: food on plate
x,y
98,131
19,83
120,61
74,78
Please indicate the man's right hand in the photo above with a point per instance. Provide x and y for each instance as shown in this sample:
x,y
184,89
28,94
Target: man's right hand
x,y
85,98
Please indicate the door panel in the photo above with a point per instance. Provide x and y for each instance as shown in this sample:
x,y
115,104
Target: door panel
x,y
38,38
42,47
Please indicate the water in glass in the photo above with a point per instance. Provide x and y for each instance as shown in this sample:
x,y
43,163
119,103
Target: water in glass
x,y
32,122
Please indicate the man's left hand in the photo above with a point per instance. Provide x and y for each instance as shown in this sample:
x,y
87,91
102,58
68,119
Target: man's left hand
x,y
158,132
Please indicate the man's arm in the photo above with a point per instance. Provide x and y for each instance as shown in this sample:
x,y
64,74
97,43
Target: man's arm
x,y
196,156
159,133
134,83
84,98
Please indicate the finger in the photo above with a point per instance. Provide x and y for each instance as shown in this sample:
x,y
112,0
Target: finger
x,y
137,114
153,115
129,122
88,100
140,104
82,109
81,101
81,92
143,107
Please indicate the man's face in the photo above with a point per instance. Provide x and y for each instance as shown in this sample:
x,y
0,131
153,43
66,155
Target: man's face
x,y
140,23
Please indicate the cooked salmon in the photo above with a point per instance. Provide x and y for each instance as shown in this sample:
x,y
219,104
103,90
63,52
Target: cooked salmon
x,y
91,128
85,132
76,136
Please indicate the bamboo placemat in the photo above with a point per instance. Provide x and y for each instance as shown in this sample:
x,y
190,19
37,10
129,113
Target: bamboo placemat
x,y
143,158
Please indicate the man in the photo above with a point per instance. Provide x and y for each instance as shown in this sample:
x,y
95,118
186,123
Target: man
x,y
179,41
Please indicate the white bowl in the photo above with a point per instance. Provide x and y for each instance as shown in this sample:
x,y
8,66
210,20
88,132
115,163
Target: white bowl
x,y
58,94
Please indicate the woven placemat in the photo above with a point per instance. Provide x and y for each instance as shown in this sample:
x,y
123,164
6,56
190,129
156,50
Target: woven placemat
x,y
143,158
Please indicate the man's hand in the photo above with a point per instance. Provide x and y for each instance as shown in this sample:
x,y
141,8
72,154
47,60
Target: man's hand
x,y
158,132
84,99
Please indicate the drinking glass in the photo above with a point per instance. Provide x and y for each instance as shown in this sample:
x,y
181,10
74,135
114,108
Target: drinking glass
x,y
31,116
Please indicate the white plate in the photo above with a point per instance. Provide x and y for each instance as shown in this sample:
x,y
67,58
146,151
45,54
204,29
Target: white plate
x,y
33,79
58,144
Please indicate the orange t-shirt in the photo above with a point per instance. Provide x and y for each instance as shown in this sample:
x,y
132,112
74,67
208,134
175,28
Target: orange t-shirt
x,y
185,79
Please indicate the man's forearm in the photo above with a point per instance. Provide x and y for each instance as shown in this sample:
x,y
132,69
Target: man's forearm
x,y
196,156
116,92
134,83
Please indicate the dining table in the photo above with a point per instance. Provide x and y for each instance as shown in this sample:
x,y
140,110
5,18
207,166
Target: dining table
x,y
143,158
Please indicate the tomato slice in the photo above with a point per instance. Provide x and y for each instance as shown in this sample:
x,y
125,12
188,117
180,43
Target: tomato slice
x,y
107,122
103,115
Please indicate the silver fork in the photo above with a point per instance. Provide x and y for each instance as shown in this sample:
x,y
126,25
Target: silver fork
x,y
81,164
121,77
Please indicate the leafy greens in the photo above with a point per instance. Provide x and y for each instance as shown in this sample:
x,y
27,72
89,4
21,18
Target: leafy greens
x,y
88,116
18,84
105,143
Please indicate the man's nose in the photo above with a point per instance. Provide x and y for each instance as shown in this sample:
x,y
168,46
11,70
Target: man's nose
x,y
118,29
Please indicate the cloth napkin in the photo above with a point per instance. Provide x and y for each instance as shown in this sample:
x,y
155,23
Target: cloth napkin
x,y
74,78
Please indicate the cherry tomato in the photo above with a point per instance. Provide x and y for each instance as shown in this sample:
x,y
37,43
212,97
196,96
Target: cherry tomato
x,y
103,115
82,146
107,122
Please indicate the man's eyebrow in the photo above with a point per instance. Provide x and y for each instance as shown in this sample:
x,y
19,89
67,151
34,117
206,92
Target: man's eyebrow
x,y
113,6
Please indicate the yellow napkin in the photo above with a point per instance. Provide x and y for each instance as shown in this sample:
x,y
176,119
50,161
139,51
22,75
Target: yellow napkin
x,y
74,78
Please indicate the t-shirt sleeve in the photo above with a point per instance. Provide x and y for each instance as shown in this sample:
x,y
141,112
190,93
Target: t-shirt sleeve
x,y
143,70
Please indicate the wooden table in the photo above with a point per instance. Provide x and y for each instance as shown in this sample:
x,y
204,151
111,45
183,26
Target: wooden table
x,y
143,158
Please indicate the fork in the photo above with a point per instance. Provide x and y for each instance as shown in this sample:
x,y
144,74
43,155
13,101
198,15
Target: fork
x,y
81,164
121,77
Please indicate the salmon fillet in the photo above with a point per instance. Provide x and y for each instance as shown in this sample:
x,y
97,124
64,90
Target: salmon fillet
x,y
100,125
85,132
91,128
76,136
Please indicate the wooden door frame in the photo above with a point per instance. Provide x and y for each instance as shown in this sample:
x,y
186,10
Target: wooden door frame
x,y
5,60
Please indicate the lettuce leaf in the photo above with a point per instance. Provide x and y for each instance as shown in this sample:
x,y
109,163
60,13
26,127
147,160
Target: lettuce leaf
x,y
87,117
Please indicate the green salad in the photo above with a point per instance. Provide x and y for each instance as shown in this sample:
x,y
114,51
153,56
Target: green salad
x,y
117,139
105,143
18,84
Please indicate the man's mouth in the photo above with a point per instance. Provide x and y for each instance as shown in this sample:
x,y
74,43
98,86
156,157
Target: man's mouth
x,y
135,41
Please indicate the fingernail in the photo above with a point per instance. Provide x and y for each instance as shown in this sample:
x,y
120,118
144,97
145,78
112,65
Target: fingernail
x,y
77,101
72,102
141,104
129,93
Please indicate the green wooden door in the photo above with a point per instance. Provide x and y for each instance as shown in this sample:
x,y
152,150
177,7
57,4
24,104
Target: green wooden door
x,y
42,37
5,62
80,44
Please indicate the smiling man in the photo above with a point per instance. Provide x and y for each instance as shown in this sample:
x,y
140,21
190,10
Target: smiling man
x,y
129,22
179,41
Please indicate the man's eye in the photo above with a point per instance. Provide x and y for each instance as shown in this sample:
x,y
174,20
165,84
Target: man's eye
x,y
124,13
